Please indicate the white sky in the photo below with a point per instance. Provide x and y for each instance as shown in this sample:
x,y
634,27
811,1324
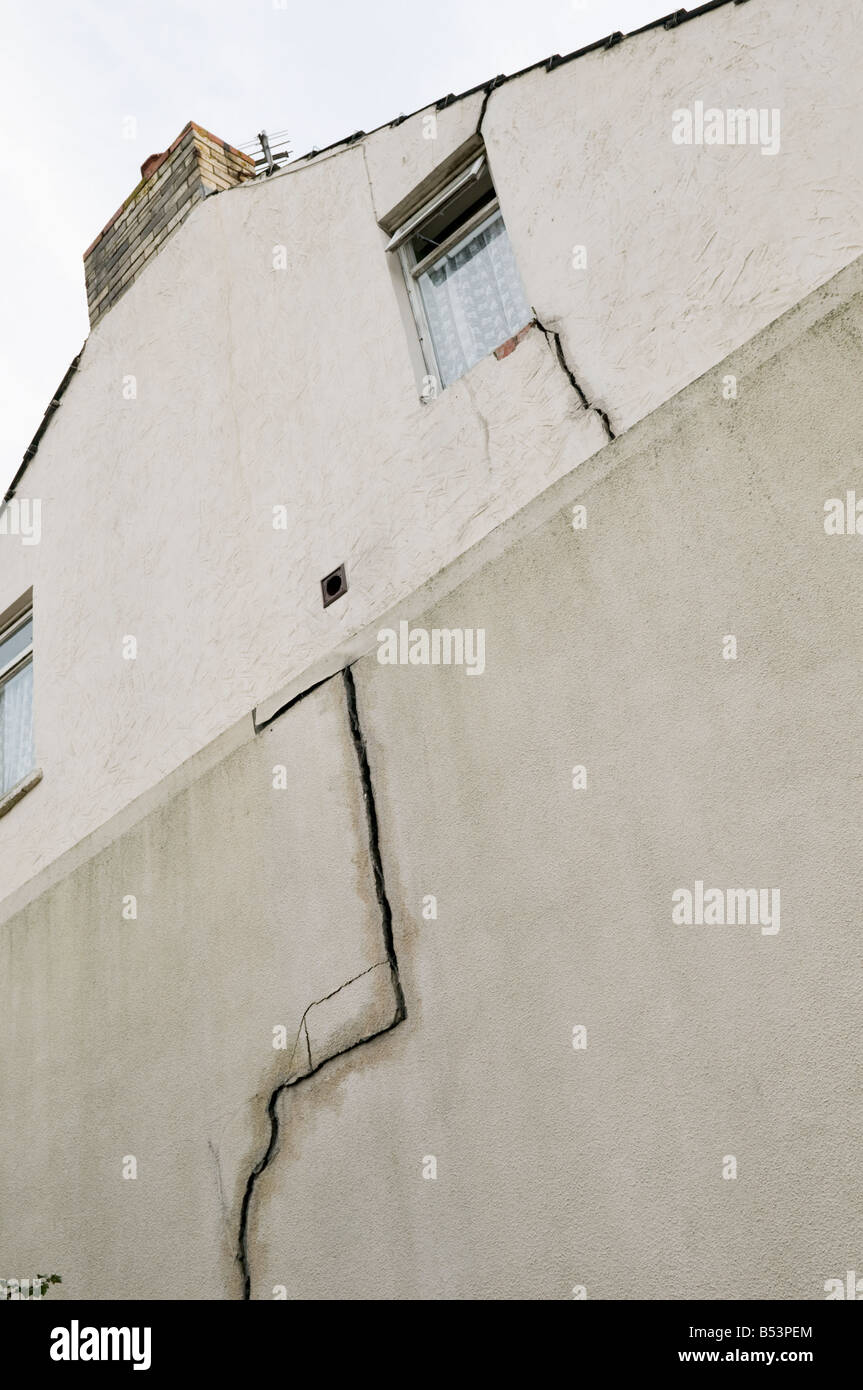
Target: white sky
x,y
71,71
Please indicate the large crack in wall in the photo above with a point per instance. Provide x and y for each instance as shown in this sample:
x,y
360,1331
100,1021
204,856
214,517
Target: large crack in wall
x,y
327,1030
554,341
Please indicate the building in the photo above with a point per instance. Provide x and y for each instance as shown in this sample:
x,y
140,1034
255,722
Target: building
x,y
331,976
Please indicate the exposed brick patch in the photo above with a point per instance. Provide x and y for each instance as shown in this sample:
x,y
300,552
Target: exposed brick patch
x,y
512,343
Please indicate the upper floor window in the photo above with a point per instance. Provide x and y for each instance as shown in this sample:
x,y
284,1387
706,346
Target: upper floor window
x,y
16,701
461,275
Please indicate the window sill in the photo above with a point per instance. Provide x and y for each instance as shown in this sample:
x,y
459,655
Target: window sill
x,y
14,794
499,353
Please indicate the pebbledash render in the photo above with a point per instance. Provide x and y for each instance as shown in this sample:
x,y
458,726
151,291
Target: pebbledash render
x,y
326,970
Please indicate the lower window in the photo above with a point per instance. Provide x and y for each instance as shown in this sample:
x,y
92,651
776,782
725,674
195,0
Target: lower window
x,y
16,702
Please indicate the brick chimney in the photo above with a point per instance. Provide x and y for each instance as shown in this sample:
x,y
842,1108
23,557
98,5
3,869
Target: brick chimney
x,y
171,184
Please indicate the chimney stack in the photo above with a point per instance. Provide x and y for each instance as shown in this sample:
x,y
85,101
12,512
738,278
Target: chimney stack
x,y
195,165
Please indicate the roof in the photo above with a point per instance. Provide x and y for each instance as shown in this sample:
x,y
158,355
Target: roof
x,y
667,21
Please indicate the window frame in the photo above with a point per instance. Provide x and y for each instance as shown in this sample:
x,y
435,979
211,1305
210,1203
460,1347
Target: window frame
x,y
12,668
471,174
469,228
408,262
414,271
401,245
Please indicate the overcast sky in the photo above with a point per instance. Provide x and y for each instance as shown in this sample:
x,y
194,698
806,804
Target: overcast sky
x,y
73,71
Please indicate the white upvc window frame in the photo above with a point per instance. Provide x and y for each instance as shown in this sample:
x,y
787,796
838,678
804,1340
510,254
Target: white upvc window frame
x,y
401,244
11,668
26,654
471,174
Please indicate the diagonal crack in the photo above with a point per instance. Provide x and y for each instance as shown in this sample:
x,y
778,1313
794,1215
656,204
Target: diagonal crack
x,y
489,88
302,1030
553,339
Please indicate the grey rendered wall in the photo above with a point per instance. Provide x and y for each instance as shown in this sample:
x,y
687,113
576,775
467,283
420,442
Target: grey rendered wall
x,y
603,1167
152,1038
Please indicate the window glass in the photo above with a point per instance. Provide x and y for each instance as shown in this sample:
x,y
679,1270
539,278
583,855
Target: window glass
x,y
473,299
10,647
447,219
16,727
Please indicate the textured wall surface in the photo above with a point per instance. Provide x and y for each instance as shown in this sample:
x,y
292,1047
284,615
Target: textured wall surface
x,y
152,1038
603,1167
257,388
556,1167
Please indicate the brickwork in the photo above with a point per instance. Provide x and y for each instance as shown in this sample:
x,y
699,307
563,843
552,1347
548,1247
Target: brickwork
x,y
197,163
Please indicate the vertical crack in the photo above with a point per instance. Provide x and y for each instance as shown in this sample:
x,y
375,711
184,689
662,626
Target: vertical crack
x,y
489,88
374,840
303,1032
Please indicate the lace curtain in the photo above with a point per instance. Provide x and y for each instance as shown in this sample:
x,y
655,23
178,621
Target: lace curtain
x,y
16,727
473,300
